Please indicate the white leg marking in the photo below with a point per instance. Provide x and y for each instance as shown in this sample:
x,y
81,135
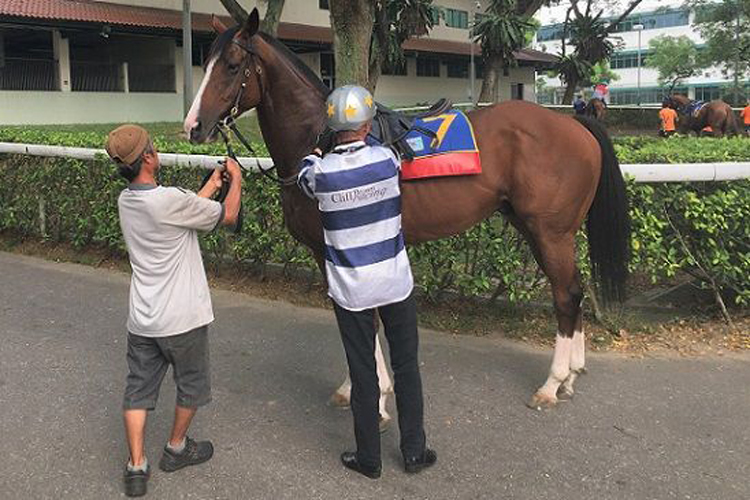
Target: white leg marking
x,y
577,363
384,381
559,371
342,397
191,120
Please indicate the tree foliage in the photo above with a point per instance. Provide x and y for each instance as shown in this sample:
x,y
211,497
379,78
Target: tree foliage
x,y
396,21
501,31
675,58
725,27
588,34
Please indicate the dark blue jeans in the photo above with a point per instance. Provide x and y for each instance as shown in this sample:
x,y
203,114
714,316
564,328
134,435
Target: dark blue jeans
x,y
358,335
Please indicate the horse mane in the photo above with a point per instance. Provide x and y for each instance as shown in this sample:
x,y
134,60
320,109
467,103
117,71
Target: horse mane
x,y
296,63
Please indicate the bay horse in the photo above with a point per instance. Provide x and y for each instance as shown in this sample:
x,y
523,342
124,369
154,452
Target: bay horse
x,y
715,114
544,171
596,108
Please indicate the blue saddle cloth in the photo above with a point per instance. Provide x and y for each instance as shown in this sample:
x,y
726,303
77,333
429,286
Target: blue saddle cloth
x,y
694,107
450,150
453,133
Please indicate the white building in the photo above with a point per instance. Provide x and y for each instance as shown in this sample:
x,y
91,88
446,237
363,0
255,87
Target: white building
x,y
75,61
658,18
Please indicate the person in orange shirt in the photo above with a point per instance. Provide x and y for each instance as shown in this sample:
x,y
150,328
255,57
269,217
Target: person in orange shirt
x,y
668,118
745,115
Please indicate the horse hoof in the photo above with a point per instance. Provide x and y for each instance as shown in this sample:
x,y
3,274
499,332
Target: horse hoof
x,y
565,393
339,401
384,424
541,401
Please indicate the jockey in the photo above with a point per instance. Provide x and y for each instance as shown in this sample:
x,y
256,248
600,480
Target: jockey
x,y
579,105
368,270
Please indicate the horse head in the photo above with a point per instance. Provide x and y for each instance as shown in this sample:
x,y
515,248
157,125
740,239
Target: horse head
x,y
232,81
678,102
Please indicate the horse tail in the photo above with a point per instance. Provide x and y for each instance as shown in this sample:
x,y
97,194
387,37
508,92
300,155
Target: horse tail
x,y
608,222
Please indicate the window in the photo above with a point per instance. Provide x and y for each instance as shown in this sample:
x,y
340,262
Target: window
x,y
707,93
654,20
622,60
516,91
428,66
652,95
26,60
551,32
323,4
398,69
456,18
435,16
201,48
458,69
328,69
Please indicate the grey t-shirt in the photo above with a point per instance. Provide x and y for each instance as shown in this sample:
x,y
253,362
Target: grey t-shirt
x,y
169,292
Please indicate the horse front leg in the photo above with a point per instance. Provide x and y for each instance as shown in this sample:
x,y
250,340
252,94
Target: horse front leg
x,y
342,397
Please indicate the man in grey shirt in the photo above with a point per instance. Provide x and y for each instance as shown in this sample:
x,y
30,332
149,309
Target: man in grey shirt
x,y
170,303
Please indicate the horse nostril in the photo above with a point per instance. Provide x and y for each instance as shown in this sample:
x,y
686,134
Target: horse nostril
x,y
195,132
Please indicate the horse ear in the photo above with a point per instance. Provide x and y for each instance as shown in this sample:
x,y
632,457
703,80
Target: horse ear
x,y
252,23
217,25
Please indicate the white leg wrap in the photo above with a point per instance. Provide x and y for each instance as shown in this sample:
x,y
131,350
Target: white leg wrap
x,y
384,378
578,352
560,367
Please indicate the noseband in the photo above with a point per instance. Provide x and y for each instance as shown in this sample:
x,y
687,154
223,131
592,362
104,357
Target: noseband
x,y
228,125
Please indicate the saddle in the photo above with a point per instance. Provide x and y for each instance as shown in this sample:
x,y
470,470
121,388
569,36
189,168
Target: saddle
x,y
390,128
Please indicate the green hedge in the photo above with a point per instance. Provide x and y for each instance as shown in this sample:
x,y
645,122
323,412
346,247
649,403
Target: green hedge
x,y
697,228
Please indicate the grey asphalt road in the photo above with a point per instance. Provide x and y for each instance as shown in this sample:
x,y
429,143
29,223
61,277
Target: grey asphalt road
x,y
637,429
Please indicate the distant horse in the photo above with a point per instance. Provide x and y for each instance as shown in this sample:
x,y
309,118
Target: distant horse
x,y
546,172
596,108
694,116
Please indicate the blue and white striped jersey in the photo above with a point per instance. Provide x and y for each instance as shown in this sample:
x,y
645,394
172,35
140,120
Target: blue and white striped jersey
x,y
357,188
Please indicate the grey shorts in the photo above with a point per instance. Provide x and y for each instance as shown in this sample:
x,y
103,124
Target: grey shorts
x,y
148,360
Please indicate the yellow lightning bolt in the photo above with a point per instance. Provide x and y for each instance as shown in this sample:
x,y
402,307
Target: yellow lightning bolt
x,y
330,110
350,111
368,101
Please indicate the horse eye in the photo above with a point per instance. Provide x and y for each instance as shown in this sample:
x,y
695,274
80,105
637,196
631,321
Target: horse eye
x,y
234,68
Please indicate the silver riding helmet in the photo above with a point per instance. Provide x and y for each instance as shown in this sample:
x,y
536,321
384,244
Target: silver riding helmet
x,y
349,107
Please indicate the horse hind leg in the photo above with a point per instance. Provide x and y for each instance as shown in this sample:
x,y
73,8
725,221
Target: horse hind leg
x,y
558,261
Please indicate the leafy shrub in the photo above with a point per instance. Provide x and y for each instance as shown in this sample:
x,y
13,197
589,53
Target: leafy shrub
x,y
697,228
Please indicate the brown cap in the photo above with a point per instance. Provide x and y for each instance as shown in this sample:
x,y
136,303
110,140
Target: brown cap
x,y
126,143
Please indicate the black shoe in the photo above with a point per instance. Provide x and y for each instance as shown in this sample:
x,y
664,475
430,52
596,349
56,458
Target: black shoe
x,y
412,465
136,482
194,453
349,459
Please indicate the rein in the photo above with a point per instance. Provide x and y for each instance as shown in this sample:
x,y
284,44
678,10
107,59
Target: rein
x,y
228,126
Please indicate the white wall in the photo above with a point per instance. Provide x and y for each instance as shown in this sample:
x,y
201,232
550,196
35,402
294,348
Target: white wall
x,y
411,89
33,108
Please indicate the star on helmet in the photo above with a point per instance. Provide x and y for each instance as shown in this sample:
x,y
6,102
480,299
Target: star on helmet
x,y
350,111
331,110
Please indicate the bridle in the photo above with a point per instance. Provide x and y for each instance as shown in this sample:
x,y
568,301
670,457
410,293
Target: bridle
x,y
228,125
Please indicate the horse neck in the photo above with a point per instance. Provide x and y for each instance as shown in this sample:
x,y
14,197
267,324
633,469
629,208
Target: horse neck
x,y
291,113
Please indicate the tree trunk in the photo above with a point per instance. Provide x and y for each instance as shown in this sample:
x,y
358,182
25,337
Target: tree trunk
x,y
235,10
570,89
352,22
379,37
270,23
491,80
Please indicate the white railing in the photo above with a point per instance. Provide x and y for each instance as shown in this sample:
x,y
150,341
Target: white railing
x,y
656,172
